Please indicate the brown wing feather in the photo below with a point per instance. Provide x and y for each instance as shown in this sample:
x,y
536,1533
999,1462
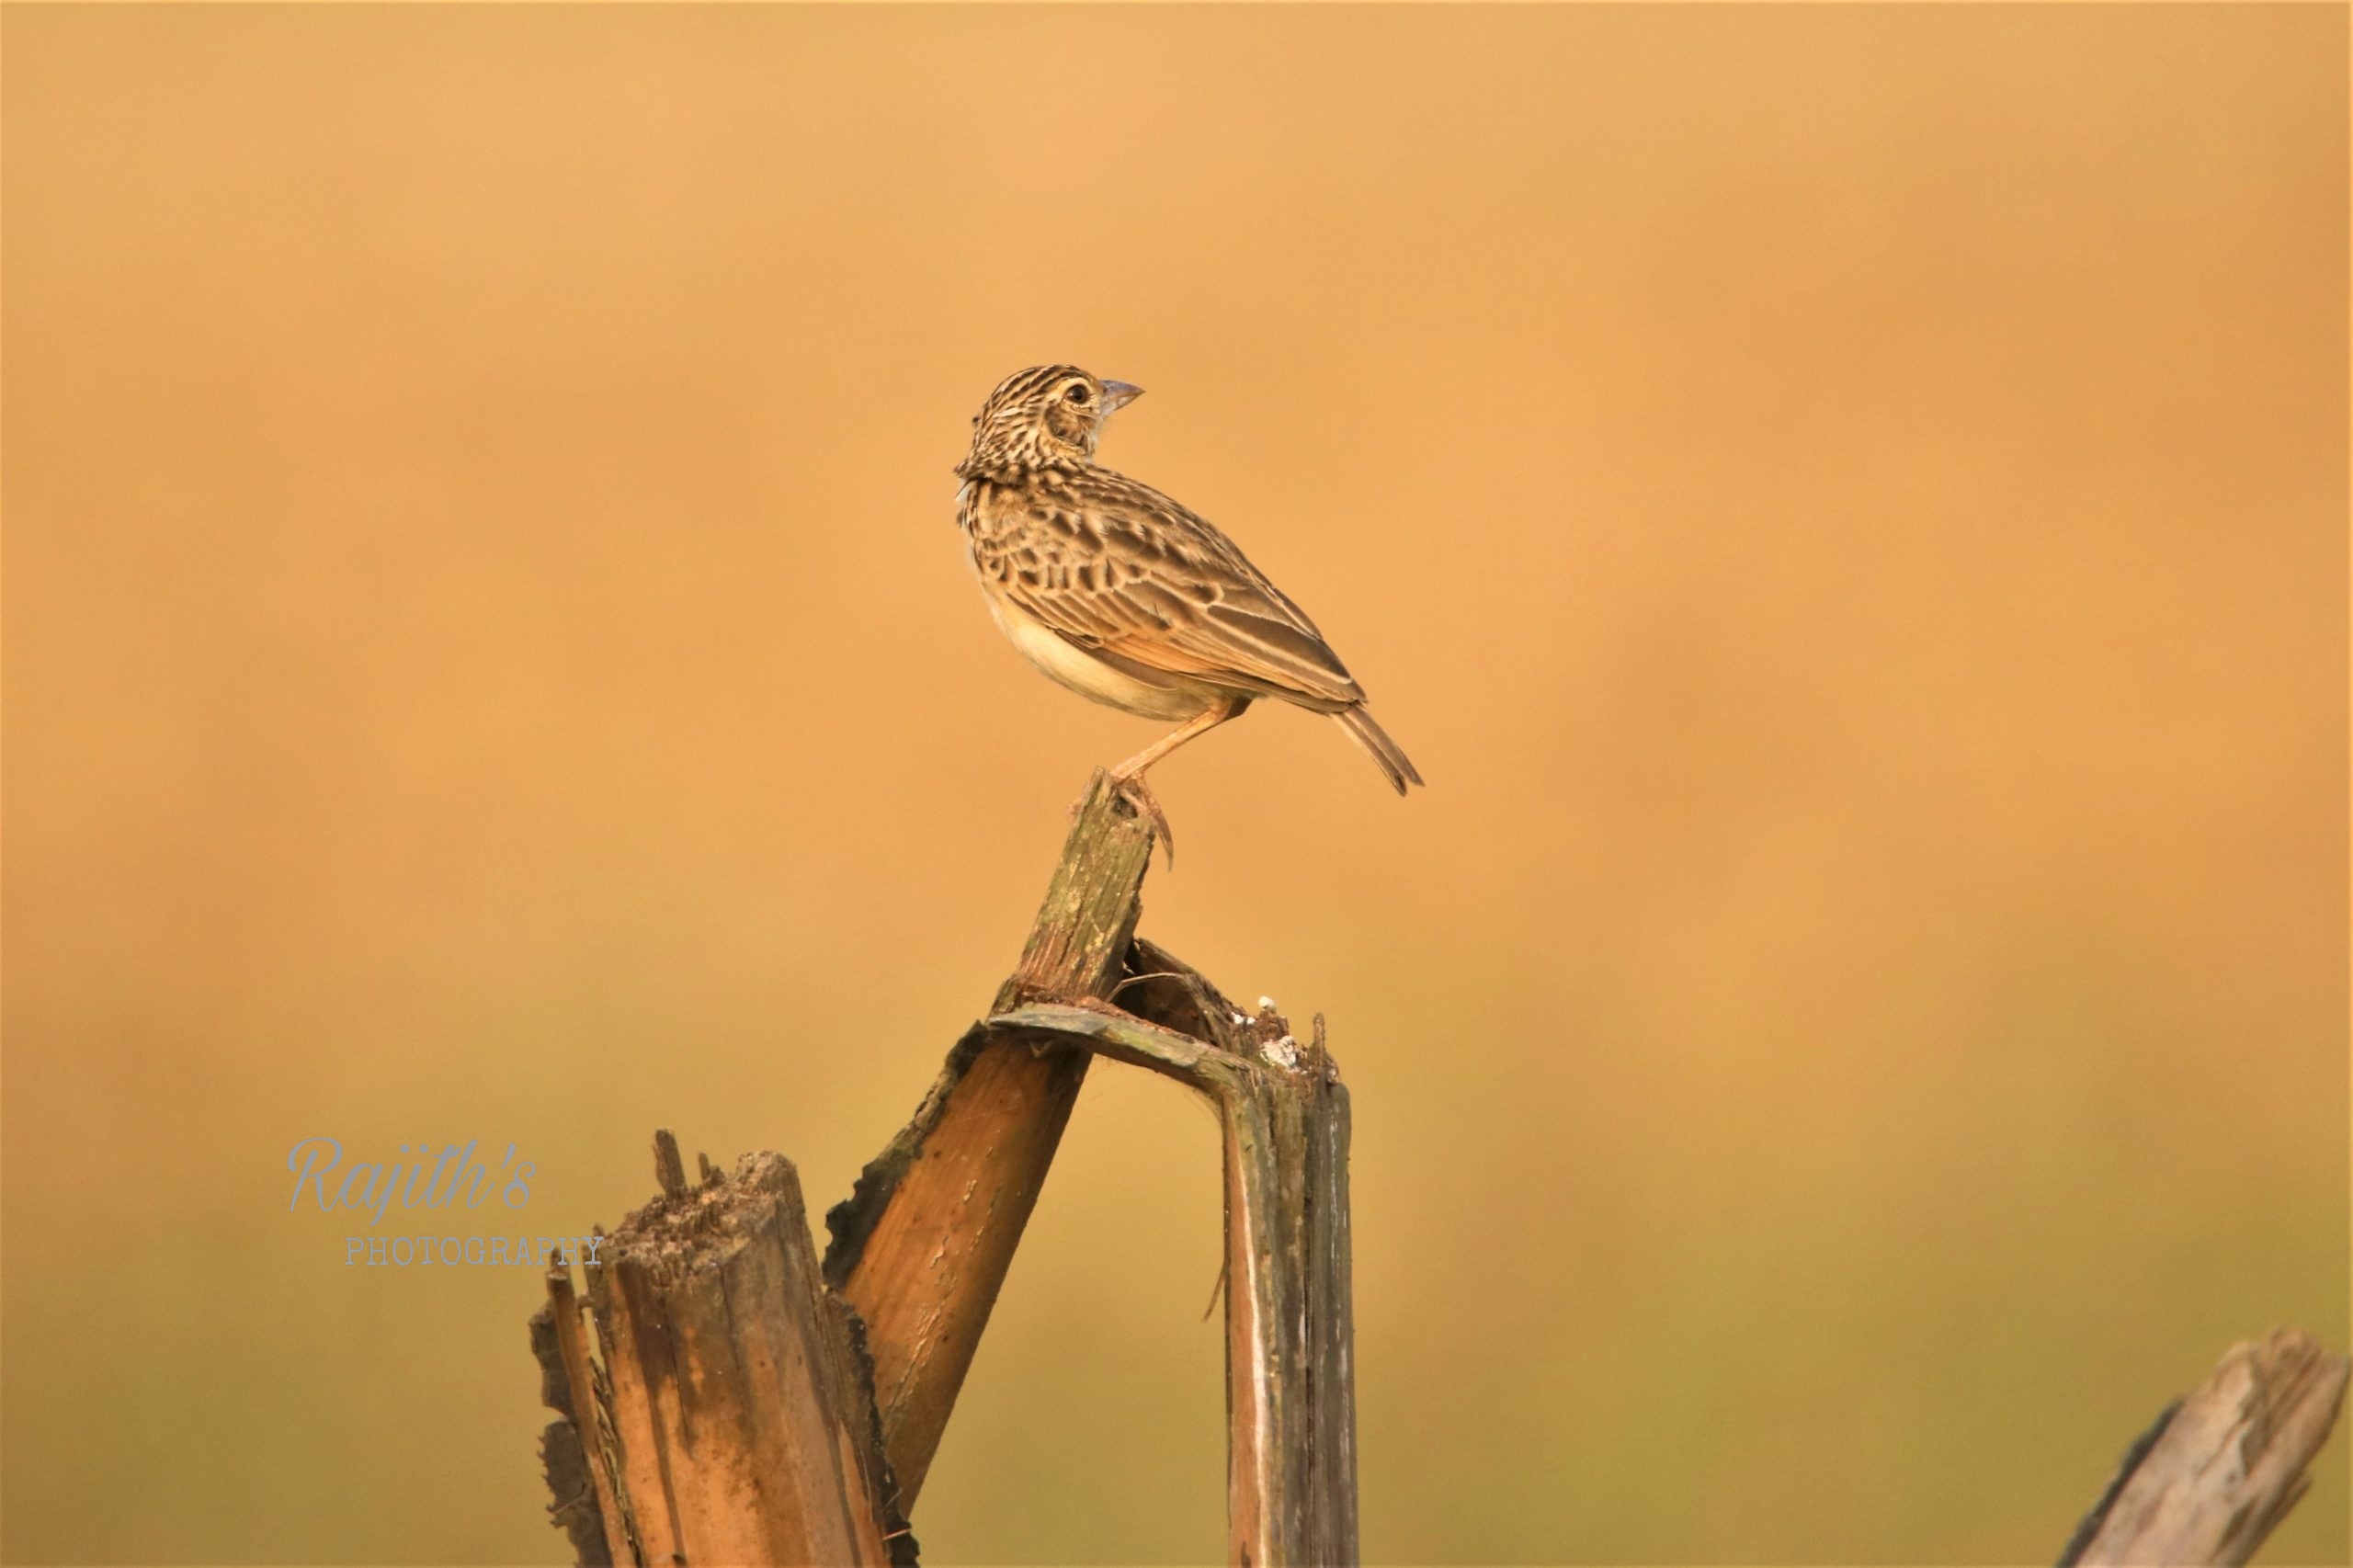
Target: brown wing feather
x,y
1119,567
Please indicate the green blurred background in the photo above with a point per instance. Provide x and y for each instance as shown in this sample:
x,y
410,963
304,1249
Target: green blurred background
x,y
1846,506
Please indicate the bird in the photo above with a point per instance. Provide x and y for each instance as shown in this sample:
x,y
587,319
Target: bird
x,y
1127,597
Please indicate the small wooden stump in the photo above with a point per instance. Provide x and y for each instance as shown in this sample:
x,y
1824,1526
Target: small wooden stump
x,y
727,1415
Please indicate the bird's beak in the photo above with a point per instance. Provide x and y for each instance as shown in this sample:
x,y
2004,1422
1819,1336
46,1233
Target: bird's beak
x,y
1118,395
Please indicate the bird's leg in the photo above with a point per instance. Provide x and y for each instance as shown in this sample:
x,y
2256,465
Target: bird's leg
x,y
1129,775
1200,724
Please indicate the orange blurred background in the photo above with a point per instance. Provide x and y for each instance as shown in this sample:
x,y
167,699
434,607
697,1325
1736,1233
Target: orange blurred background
x,y
1846,506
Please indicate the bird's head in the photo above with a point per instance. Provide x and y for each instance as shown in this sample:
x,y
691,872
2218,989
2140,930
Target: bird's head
x,y
1047,416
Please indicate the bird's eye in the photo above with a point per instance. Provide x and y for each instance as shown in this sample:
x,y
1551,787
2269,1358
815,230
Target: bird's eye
x,y
1077,393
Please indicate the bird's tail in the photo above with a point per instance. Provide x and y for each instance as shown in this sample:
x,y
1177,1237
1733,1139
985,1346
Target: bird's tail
x,y
1384,751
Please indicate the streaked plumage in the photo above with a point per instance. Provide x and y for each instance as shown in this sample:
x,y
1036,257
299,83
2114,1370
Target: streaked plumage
x,y
1121,594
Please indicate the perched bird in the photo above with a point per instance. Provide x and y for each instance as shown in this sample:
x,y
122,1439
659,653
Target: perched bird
x,y
1124,596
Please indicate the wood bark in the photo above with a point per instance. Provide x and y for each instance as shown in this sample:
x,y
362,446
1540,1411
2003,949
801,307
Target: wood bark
x,y
724,1413
2222,1467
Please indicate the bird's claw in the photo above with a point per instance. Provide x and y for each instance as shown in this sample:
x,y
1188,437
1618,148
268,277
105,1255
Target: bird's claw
x,y
1139,795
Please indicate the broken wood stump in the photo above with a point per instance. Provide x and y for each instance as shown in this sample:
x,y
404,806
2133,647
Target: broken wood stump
x,y
726,1414
792,1416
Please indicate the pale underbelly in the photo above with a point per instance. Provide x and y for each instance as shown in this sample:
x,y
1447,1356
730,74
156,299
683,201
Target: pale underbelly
x,y
1168,696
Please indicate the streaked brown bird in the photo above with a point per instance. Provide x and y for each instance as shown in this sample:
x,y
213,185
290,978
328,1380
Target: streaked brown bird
x,y
1121,594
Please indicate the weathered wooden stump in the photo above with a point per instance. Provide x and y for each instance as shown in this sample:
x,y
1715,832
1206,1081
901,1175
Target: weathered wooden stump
x,y
726,1400
732,1414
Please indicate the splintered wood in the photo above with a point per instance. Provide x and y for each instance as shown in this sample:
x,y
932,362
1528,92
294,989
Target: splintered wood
x,y
2223,1466
718,1396
744,1407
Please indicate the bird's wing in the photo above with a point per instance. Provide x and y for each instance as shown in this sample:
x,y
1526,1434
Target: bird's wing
x,y
1116,566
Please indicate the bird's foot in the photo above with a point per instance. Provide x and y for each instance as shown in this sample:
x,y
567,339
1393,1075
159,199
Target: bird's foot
x,y
1139,795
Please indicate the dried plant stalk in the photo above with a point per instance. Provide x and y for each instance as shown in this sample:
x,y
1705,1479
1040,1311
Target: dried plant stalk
x,y
2222,1467
921,1246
